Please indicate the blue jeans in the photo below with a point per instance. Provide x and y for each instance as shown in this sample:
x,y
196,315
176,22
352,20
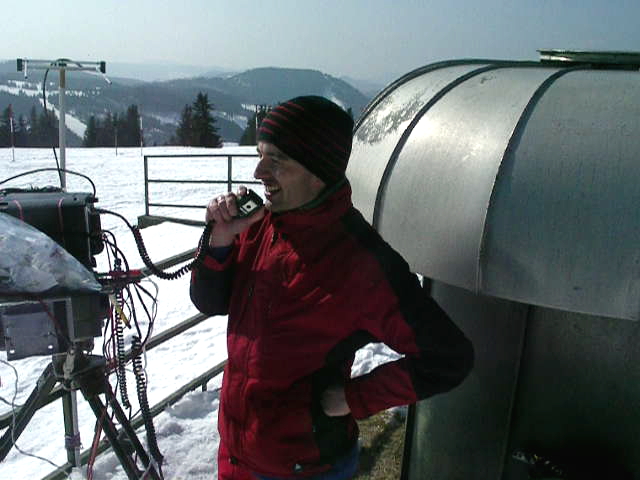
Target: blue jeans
x,y
343,469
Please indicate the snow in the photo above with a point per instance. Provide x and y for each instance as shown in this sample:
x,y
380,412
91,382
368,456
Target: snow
x,y
187,432
331,96
168,119
73,123
18,90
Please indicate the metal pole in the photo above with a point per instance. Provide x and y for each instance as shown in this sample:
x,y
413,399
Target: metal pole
x,y
62,128
146,186
13,148
229,174
72,431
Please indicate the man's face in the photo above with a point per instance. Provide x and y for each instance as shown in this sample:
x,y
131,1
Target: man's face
x,y
288,185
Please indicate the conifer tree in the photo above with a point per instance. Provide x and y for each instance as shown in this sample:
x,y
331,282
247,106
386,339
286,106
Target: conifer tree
x,y
130,126
249,135
34,128
197,125
5,128
123,129
22,132
205,133
91,133
105,136
47,129
184,132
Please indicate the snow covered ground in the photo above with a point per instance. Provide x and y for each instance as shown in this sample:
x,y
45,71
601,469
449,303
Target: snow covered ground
x,y
187,432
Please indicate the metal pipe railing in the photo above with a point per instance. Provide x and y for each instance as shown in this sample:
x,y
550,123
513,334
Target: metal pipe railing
x,y
229,181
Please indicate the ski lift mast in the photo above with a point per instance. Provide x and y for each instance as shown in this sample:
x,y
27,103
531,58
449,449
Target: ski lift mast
x,y
62,65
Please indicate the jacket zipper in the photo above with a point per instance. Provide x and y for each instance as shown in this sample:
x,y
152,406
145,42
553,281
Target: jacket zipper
x,y
274,238
246,366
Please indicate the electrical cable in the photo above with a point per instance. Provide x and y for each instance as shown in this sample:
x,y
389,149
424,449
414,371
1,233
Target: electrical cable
x,y
13,420
93,453
48,169
117,360
46,116
142,249
124,304
141,386
133,315
151,316
120,361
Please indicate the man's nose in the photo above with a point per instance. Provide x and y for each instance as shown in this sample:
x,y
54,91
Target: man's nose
x,y
261,169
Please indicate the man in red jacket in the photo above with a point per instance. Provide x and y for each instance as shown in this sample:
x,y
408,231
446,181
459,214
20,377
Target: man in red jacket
x,y
306,282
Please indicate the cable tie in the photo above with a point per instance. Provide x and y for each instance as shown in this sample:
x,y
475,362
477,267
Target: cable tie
x,y
72,441
119,312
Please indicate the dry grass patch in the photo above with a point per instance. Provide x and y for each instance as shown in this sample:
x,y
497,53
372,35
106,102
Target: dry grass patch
x,y
382,441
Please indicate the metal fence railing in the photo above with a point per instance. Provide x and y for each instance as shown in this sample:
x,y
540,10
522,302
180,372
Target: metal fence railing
x,y
149,219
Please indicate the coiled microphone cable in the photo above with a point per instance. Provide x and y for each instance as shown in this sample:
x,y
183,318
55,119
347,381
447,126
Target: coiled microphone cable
x,y
119,334
141,387
142,249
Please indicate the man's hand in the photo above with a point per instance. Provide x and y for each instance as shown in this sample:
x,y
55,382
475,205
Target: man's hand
x,y
334,402
222,210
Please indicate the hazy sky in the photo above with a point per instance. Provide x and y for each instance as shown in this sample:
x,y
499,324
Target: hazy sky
x,y
375,39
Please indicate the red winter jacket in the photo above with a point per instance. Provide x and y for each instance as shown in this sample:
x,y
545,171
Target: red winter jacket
x,y
304,290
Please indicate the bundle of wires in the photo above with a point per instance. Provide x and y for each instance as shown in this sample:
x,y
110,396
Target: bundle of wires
x,y
126,302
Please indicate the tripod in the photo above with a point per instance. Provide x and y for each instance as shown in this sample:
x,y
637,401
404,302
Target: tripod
x,y
79,371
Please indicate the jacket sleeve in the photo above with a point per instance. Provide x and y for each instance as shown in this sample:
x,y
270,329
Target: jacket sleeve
x,y
210,288
401,314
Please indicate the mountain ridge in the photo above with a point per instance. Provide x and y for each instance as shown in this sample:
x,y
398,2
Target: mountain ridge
x,y
234,96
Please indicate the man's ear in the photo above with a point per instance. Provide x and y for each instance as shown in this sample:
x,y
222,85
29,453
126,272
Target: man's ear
x,y
317,184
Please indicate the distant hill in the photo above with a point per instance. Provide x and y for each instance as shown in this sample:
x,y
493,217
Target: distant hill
x,y
161,102
161,72
369,89
274,85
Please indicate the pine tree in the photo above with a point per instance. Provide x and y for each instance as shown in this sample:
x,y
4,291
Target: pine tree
x,y
5,129
91,133
205,132
34,128
131,127
184,132
105,136
249,136
22,132
48,129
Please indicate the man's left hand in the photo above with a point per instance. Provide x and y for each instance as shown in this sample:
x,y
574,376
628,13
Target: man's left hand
x,y
334,402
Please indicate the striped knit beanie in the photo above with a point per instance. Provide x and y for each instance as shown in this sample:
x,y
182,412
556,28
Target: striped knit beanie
x,y
314,132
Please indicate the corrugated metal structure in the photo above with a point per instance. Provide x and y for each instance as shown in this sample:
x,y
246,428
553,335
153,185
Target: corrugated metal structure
x,y
515,187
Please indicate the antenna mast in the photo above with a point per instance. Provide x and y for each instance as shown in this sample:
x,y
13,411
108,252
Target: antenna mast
x,y
62,65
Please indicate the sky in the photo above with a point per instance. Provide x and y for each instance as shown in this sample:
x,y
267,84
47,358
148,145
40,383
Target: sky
x,y
374,40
